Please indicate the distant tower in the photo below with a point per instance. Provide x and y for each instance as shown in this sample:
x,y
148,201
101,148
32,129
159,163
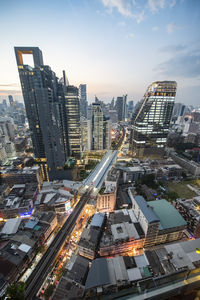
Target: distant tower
x,y
10,98
121,107
83,99
44,101
152,118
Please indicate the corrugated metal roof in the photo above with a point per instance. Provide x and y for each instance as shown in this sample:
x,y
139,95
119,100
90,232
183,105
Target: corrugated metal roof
x,y
98,274
146,209
11,226
134,274
168,215
97,220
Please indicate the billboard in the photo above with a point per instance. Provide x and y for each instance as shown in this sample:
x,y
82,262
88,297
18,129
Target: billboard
x,y
67,206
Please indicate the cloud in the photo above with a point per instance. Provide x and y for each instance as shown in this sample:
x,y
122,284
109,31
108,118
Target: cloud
x,y
123,6
173,48
139,17
130,35
122,24
155,28
155,5
173,26
185,65
172,3
170,27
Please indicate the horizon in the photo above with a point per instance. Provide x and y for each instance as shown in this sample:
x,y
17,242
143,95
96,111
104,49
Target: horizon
x,y
116,47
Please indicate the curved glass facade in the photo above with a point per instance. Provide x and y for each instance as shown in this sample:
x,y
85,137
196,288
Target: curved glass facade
x,y
152,117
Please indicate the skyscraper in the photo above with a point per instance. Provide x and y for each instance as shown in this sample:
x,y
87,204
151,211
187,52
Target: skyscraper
x,y
121,107
10,98
72,105
152,118
97,127
44,99
83,100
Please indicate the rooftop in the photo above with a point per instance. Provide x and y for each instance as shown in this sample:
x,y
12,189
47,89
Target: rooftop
x,y
148,212
168,215
11,226
97,220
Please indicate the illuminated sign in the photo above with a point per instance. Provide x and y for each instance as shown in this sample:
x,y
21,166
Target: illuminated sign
x,y
67,205
26,214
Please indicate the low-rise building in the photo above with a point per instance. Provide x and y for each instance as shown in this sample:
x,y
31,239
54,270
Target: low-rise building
x,y
13,176
122,235
160,221
19,202
190,210
107,197
189,165
169,172
72,284
90,237
157,274
106,200
56,196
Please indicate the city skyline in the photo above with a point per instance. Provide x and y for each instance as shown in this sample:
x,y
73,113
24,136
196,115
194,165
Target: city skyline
x,y
116,47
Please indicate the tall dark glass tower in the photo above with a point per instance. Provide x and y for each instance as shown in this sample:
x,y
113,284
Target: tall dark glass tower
x,y
121,108
83,100
72,106
44,102
152,117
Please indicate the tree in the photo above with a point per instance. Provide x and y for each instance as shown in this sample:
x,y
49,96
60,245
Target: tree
x,y
172,195
15,291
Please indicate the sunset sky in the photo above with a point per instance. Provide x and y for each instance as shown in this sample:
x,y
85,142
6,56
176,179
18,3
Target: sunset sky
x,y
116,47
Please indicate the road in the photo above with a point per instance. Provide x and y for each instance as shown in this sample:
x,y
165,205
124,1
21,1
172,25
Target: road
x,y
44,266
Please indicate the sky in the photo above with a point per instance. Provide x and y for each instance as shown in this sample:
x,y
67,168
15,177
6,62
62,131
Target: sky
x,y
116,47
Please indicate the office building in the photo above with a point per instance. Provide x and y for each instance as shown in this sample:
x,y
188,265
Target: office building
x,y
152,118
130,109
97,127
121,107
72,106
44,98
10,98
83,100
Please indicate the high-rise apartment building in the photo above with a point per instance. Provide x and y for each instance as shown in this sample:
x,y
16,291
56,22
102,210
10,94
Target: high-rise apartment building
x,y
83,100
121,107
152,118
44,102
72,105
99,128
